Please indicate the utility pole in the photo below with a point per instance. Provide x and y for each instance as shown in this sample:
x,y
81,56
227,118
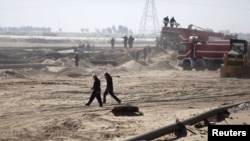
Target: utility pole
x,y
149,22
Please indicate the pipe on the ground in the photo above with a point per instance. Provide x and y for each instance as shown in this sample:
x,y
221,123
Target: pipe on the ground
x,y
175,127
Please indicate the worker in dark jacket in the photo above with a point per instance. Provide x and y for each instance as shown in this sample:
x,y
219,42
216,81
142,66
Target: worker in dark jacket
x,y
96,92
125,41
172,22
112,43
131,41
166,21
109,88
76,59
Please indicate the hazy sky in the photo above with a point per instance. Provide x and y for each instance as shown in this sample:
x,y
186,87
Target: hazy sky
x,y
72,15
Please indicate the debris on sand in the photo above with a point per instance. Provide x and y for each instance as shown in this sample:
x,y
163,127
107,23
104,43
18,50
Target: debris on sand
x,y
126,110
55,128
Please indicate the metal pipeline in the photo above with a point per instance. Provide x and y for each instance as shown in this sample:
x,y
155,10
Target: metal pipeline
x,y
175,127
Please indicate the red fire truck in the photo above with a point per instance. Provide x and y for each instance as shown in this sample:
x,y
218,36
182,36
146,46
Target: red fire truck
x,y
202,55
171,36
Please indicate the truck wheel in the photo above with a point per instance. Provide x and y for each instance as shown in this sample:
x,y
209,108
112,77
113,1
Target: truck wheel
x,y
186,65
199,65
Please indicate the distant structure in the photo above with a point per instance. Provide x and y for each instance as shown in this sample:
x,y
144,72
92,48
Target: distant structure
x,y
149,23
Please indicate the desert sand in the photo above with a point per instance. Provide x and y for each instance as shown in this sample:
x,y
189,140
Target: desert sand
x,y
48,103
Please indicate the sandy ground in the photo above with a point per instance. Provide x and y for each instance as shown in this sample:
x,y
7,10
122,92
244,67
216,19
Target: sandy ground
x,y
48,103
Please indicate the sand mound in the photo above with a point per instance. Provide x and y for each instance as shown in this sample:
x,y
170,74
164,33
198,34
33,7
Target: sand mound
x,y
65,62
11,74
57,127
68,62
117,70
73,71
120,56
48,61
99,56
161,65
124,59
54,69
132,65
169,54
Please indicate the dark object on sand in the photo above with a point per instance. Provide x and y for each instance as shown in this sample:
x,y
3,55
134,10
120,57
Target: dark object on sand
x,y
126,110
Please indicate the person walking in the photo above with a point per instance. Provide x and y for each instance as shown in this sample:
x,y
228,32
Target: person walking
x,y
112,43
109,88
96,93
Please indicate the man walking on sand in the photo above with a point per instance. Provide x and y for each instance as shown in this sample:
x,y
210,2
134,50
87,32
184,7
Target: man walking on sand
x,y
96,91
109,88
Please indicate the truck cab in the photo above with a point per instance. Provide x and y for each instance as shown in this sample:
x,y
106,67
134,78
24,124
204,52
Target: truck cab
x,y
170,36
201,55
184,58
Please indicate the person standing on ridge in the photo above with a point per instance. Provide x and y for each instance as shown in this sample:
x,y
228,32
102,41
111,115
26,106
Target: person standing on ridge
x,y
131,41
77,59
112,43
125,38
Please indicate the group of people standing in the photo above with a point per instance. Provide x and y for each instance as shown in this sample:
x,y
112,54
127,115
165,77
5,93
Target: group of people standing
x,y
172,21
96,93
128,41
